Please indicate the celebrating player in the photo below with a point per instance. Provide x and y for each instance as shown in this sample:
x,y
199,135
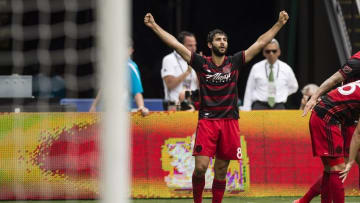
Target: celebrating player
x,y
218,128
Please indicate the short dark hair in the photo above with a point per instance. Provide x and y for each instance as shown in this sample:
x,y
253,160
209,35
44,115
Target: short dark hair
x,y
212,34
181,36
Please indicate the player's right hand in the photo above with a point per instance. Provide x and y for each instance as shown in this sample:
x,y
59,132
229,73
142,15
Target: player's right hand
x,y
149,20
309,106
345,172
283,17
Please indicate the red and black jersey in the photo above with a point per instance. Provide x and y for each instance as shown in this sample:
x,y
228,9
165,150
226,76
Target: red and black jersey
x,y
351,69
341,105
218,85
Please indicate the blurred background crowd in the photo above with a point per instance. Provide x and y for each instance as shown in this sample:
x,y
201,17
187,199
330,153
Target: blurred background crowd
x,y
55,42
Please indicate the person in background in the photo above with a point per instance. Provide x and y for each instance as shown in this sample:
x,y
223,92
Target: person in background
x,y
270,81
177,75
136,88
189,100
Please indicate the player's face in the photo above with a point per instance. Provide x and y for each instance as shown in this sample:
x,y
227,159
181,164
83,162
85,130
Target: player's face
x,y
271,52
190,43
219,45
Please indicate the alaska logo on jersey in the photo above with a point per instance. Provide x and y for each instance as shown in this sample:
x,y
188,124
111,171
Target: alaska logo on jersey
x,y
227,68
218,78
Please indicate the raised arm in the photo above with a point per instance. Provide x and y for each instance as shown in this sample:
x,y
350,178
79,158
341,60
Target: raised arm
x,y
169,40
265,38
324,87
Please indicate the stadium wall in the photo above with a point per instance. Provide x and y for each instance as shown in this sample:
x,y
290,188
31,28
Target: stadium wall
x,y
56,156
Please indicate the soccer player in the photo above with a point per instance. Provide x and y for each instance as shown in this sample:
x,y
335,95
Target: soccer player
x,y
338,107
354,152
218,128
349,72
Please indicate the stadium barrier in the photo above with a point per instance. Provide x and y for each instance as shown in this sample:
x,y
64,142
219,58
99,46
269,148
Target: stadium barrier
x,y
83,105
56,156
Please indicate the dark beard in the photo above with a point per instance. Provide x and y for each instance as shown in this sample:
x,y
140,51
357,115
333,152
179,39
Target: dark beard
x,y
217,52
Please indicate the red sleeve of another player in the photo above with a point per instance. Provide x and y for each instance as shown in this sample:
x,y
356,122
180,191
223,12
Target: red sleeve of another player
x,y
351,68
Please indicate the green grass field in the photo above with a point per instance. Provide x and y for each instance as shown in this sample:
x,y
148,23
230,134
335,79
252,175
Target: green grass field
x,y
226,200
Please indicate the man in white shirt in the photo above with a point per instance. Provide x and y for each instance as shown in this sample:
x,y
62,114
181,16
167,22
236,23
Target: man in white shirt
x,y
270,81
177,75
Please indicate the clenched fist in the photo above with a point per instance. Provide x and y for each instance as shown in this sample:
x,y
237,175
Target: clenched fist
x,y
283,17
149,20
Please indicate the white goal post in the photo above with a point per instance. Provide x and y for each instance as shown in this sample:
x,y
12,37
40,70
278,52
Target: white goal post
x,y
113,34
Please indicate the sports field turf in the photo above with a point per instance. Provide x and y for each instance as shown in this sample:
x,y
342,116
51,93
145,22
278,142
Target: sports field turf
x,y
226,200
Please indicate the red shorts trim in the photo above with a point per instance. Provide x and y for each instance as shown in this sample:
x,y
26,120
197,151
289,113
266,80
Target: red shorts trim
x,y
220,138
326,139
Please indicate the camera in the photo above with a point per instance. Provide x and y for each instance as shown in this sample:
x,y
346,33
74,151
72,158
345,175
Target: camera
x,y
192,95
190,98
169,105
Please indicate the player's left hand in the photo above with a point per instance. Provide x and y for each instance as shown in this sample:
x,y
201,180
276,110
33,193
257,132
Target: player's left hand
x,y
345,172
283,17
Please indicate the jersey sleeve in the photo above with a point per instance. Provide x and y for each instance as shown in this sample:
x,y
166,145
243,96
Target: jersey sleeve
x,y
350,69
196,61
238,59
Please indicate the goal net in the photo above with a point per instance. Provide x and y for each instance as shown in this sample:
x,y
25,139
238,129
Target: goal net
x,y
55,55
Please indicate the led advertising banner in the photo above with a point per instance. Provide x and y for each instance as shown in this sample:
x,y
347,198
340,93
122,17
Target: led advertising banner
x,y
56,156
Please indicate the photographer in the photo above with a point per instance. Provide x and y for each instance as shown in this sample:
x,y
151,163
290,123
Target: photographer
x,y
177,75
189,100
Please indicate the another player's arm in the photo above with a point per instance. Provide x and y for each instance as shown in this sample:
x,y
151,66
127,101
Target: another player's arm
x,y
354,148
167,38
95,102
324,87
139,100
265,38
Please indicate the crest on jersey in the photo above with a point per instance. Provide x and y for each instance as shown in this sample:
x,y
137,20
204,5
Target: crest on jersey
x,y
347,69
226,69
